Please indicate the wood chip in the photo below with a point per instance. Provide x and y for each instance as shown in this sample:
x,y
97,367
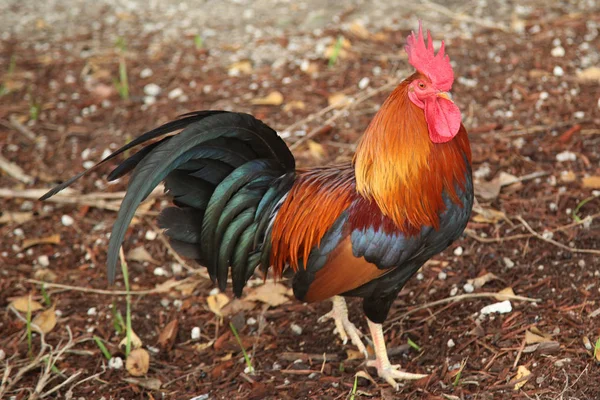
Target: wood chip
x,y
52,239
168,335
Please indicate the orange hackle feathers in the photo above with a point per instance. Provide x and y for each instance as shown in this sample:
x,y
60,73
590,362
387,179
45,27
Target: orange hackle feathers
x,y
316,200
402,170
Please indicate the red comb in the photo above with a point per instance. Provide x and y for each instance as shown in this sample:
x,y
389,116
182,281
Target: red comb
x,y
436,67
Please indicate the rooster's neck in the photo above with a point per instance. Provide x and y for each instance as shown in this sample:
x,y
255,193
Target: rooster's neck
x,y
399,167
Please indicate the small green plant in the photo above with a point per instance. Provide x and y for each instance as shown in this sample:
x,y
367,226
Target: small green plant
x,y
246,357
198,42
34,110
341,368
597,348
581,204
122,84
102,348
353,393
128,327
12,65
337,48
459,373
413,345
118,322
46,296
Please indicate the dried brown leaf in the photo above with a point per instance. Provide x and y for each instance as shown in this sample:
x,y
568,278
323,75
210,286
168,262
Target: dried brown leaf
x,y
237,305
45,275
52,239
482,280
501,296
140,254
15,217
316,150
216,302
294,105
146,383
589,75
24,303
591,182
354,354
338,100
522,372
488,216
200,347
531,338
274,98
46,320
357,28
270,293
240,67
138,362
136,342
168,334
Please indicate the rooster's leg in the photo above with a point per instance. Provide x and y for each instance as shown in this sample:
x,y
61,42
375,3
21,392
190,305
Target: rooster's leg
x,y
343,326
385,370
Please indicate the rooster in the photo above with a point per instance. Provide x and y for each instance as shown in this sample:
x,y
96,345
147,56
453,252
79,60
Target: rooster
x,y
359,229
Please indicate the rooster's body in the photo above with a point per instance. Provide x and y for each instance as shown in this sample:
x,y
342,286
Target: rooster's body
x,y
359,229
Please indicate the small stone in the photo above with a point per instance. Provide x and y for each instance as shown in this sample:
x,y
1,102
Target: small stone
x,y
115,363
2,355
152,89
458,251
454,291
558,51
468,288
442,276
581,263
363,83
276,366
566,156
296,329
92,311
67,220
160,271
175,93
88,164
251,321
313,375
43,260
176,268
165,302
451,343
146,73
579,114
195,333
151,235
502,307
508,262
558,71
249,370
420,276
19,232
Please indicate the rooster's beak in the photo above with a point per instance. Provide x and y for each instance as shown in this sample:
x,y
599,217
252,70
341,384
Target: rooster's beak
x,y
445,95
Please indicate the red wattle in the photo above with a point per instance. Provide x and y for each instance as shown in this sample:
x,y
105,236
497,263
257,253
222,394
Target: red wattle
x,y
443,119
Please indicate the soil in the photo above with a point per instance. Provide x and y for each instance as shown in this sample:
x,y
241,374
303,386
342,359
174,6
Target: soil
x,y
528,87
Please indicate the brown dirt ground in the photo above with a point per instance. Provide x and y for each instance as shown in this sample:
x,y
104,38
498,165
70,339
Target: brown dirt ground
x,y
520,115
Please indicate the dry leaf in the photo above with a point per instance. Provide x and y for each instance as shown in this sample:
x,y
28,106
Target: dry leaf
x,y
568,176
138,362
168,285
358,29
272,99
294,105
15,217
140,254
354,354
365,375
200,347
136,342
22,304
187,288
488,216
45,275
522,372
589,74
338,99
146,383
531,338
482,280
316,150
46,320
592,182
501,296
168,334
491,189
216,302
227,357
237,305
270,293
240,67
52,239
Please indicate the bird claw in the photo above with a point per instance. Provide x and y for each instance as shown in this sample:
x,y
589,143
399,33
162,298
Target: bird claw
x,y
391,372
344,328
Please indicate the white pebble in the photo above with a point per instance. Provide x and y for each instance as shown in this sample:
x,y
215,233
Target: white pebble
x,y
151,235
442,276
547,234
471,83
176,268
544,95
566,156
296,329
160,271
451,343
558,51
579,114
581,263
92,311
88,164
251,321
18,232
175,93
363,83
195,333
468,288
454,291
2,355
115,363
458,251
67,220
249,370
508,262
558,71
146,73
502,307
85,154
165,302
43,260
152,89
420,276
149,100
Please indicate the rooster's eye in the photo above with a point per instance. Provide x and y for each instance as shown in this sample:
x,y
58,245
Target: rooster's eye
x,y
421,85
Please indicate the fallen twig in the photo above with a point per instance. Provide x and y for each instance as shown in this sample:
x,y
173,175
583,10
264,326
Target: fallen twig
x,y
554,242
161,289
14,170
